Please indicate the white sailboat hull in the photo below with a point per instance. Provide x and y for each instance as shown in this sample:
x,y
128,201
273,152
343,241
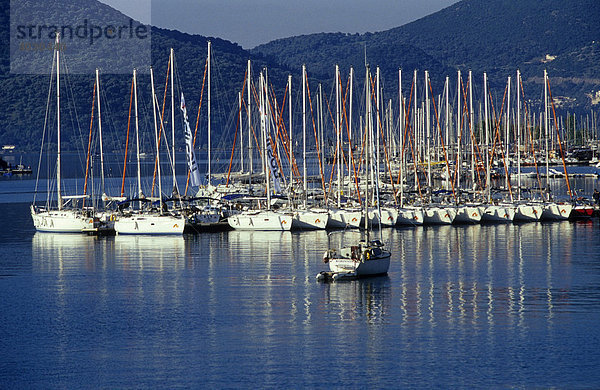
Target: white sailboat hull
x,y
341,219
310,219
358,260
439,215
410,216
528,212
389,217
61,221
468,214
556,212
496,213
377,266
149,224
261,220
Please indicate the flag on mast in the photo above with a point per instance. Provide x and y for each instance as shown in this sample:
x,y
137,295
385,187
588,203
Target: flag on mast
x,y
189,148
274,169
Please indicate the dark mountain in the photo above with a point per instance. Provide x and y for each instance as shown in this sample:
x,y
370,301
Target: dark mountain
x,y
496,36
23,97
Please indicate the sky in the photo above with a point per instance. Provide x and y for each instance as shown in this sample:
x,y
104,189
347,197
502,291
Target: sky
x,y
253,22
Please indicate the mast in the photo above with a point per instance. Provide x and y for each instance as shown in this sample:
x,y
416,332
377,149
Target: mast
x,y
401,137
367,152
338,148
100,135
428,134
459,126
263,128
472,129
291,143
156,136
349,119
487,142
546,130
376,131
60,202
209,172
447,93
241,132
305,183
173,119
320,124
417,153
519,134
249,129
137,136
507,160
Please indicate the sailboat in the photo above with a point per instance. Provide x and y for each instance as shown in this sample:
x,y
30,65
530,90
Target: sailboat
x,y
304,217
264,219
207,216
61,219
149,221
493,212
368,257
407,214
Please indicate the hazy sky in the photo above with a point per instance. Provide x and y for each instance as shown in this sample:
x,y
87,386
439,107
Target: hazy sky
x,y
252,22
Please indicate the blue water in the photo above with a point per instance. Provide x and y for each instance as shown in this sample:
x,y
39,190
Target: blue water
x,y
492,306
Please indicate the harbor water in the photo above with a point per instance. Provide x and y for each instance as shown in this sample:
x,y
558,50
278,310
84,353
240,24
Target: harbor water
x,y
481,306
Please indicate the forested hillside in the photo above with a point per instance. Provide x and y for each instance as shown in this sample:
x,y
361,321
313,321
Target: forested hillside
x,y
495,36
23,97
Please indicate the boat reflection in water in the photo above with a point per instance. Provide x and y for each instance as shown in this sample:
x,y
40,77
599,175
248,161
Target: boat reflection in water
x,y
255,243
368,298
485,275
145,251
76,251
63,251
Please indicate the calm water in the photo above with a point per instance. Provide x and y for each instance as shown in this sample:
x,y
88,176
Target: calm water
x,y
474,306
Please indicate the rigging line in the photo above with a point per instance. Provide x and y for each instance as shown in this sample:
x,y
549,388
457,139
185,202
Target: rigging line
x,y
497,137
335,157
316,137
273,111
87,161
562,154
108,116
476,147
187,181
441,137
282,133
37,176
237,126
406,113
257,105
127,139
351,157
530,136
71,106
411,138
295,161
387,160
252,128
155,99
